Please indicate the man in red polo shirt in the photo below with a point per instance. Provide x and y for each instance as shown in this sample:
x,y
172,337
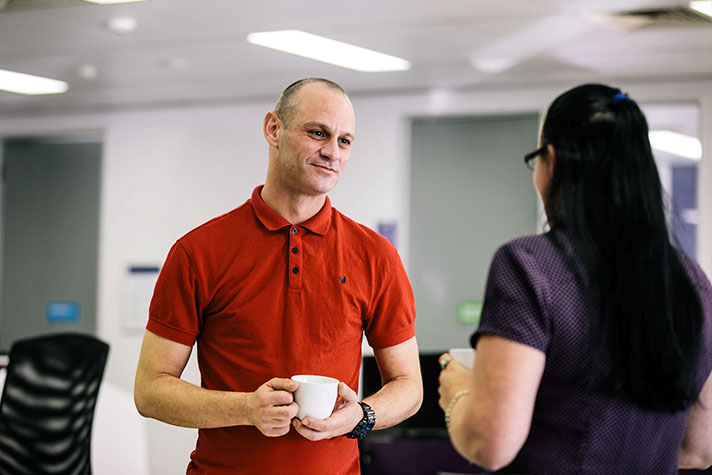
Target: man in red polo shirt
x,y
282,285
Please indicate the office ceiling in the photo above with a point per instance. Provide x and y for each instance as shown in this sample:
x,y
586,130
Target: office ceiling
x,y
194,51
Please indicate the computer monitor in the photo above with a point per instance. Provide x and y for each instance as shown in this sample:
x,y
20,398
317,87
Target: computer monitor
x,y
429,421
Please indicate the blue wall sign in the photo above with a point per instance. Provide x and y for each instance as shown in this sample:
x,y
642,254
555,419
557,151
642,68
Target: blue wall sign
x,y
62,311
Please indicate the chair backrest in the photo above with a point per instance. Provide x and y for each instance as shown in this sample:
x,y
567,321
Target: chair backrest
x,y
47,405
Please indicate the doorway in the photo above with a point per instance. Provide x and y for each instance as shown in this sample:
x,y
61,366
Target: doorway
x,y
676,143
50,236
470,193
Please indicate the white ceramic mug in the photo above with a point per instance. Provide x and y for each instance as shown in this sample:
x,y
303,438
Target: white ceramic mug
x,y
464,356
316,395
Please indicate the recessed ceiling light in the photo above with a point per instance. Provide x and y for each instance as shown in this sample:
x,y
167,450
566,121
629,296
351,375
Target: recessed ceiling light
x,y
110,2
329,51
87,71
173,64
493,65
122,25
28,84
676,144
702,6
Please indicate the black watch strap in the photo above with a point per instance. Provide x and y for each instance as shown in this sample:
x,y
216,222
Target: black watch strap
x,y
365,425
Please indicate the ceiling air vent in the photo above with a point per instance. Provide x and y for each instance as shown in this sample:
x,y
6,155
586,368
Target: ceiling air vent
x,y
17,5
668,17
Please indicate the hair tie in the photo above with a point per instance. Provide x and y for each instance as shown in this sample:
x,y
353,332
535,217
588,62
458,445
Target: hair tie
x,y
621,96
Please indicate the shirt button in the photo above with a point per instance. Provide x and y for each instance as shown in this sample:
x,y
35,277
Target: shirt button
x,y
295,250
295,270
294,231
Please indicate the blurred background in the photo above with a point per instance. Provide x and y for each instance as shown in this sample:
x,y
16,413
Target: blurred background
x,y
151,125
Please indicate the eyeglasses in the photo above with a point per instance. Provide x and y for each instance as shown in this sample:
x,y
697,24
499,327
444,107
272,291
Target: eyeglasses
x,y
529,158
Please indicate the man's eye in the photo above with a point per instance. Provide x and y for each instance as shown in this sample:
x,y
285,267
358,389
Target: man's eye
x,y
317,133
345,142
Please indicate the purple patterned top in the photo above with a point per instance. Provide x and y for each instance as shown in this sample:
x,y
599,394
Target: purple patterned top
x,y
533,297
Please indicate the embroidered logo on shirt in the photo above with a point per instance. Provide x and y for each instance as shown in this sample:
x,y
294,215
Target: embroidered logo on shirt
x,y
342,279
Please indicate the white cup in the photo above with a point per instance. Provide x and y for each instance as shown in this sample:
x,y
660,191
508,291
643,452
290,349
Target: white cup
x,y
316,395
464,356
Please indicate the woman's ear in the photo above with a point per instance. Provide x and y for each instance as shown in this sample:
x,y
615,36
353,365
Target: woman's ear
x,y
272,129
550,160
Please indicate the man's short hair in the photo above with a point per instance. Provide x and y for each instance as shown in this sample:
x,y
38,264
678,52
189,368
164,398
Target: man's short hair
x,y
285,106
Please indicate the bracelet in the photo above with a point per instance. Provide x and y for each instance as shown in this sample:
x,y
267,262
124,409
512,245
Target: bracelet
x,y
452,404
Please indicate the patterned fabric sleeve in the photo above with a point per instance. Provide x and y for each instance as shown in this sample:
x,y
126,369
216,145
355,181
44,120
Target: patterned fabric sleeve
x,y
704,290
515,299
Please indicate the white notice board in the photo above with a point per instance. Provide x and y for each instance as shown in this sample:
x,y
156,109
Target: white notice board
x,y
141,281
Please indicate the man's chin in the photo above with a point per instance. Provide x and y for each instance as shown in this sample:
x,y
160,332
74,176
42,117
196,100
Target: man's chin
x,y
323,187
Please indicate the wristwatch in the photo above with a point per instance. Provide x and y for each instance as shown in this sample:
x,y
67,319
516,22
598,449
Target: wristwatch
x,y
365,425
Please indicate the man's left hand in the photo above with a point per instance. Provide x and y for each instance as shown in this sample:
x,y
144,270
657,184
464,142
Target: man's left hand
x,y
346,415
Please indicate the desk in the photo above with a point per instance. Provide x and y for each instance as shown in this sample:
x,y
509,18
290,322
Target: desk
x,y
381,455
397,456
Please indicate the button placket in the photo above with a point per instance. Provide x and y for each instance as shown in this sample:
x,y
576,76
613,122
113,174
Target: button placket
x,y
294,258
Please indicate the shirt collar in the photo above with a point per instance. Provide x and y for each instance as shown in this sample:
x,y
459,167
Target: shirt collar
x,y
319,223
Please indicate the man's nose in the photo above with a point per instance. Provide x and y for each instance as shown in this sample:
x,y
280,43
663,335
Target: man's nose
x,y
331,149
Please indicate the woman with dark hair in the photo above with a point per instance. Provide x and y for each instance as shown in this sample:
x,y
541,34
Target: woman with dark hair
x,y
594,349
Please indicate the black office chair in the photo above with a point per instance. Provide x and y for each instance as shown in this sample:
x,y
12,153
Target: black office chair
x,y
47,405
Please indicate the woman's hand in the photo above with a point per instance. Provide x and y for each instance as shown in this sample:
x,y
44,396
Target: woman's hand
x,y
453,378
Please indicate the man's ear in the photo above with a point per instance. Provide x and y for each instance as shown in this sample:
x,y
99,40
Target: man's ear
x,y
272,129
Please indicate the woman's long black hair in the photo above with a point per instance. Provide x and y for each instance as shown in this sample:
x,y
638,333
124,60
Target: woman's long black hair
x,y
606,194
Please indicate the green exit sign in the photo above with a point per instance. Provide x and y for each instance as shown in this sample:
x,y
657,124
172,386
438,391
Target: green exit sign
x,y
469,312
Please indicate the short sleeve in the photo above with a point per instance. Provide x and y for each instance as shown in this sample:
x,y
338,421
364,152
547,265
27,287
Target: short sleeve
x,y
174,312
393,318
704,291
515,299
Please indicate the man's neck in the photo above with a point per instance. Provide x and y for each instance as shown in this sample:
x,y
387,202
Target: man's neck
x,y
294,207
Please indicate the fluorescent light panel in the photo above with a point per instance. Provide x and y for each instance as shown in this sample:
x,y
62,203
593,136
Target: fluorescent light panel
x,y
702,6
676,144
329,51
111,2
28,84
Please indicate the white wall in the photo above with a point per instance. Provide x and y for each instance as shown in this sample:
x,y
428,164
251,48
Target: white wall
x,y
167,170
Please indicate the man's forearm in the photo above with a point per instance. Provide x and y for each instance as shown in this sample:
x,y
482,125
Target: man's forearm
x,y
175,401
397,400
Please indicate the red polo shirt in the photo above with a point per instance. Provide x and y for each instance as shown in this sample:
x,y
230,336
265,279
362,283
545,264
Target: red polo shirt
x,y
264,299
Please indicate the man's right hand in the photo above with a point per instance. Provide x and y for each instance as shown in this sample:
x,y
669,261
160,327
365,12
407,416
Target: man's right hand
x,y
271,407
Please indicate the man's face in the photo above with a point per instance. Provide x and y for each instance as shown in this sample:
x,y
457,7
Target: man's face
x,y
316,144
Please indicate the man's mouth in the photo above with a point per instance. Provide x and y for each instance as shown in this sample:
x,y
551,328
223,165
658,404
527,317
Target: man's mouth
x,y
325,167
